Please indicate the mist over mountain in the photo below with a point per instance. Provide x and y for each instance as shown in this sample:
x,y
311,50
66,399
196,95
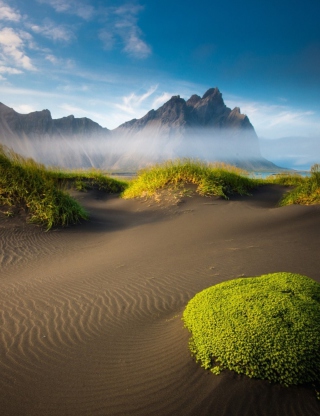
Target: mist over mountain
x,y
201,127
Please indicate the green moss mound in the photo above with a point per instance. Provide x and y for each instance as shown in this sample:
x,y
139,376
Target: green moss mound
x,y
266,327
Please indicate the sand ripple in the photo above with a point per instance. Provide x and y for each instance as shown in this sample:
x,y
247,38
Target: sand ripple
x,y
91,319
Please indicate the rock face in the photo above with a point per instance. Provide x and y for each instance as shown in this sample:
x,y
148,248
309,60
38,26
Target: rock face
x,y
198,128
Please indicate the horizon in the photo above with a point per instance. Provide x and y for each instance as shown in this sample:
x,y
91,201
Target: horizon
x,y
114,63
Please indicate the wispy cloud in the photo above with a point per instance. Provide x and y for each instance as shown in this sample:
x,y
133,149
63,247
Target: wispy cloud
x,y
75,7
53,31
80,112
8,13
12,45
108,39
274,120
122,23
24,108
132,102
134,45
9,70
66,64
163,98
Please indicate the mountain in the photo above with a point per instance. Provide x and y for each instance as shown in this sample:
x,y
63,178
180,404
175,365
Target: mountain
x,y
201,127
176,114
40,124
50,141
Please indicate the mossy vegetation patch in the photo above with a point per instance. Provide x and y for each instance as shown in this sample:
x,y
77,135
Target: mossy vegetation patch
x,y
266,327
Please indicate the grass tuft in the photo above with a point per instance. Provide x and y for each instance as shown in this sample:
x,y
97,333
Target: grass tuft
x,y
211,179
265,327
306,189
83,180
41,192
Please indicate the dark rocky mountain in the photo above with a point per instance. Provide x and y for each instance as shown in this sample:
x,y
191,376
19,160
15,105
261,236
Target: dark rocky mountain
x,y
201,127
209,111
40,124
51,141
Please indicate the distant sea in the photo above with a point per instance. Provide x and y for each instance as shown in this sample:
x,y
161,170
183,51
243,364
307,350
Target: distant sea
x,y
263,175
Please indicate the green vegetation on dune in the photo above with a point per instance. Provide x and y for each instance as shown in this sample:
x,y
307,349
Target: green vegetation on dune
x,y
265,327
211,179
40,192
306,189
83,180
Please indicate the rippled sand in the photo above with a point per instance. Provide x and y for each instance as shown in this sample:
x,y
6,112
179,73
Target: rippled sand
x,y
91,315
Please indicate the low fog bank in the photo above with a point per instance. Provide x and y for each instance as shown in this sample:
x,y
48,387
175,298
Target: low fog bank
x,y
120,152
298,153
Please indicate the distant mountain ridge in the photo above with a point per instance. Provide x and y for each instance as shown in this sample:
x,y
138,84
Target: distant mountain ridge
x,y
41,124
201,127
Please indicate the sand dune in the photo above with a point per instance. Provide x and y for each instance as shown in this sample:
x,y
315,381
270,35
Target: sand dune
x,y
91,315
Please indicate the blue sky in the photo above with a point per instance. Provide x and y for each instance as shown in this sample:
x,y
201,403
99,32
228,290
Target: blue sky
x,y
115,60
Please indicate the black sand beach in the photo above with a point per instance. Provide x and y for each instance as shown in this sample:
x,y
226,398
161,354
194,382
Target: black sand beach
x,y
91,314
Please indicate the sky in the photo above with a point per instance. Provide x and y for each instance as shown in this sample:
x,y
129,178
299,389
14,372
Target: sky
x,y
113,61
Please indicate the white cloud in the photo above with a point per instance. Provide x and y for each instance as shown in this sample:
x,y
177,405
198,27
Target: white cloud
x,y
53,59
163,98
65,64
122,25
24,108
107,38
132,102
9,70
274,120
51,31
12,48
75,7
8,13
135,46
79,112
75,88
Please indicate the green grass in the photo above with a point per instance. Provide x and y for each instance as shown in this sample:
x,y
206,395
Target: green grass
x,y
306,189
82,180
219,179
265,327
25,184
42,192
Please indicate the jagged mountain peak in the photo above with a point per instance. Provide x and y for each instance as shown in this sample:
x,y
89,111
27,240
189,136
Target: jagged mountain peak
x,y
193,100
206,111
212,92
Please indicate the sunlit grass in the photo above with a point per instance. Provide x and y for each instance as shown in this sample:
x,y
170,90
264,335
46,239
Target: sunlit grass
x,y
41,191
211,179
25,184
83,180
306,190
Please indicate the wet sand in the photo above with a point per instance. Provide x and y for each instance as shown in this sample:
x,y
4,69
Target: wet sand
x,y
91,315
